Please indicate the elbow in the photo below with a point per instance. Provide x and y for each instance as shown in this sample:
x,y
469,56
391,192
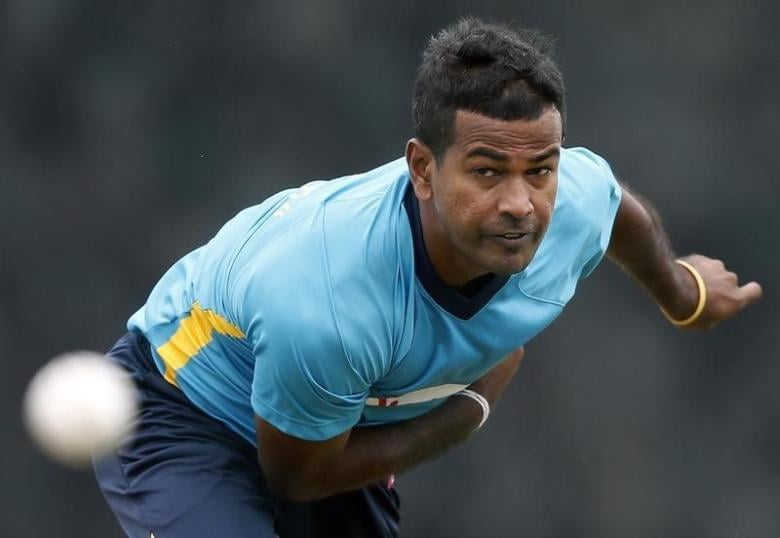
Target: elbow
x,y
293,491
292,487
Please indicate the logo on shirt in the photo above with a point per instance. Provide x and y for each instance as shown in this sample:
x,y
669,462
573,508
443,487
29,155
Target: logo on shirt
x,y
418,396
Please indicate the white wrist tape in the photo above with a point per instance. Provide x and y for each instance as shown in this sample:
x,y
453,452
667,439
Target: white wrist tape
x,y
483,403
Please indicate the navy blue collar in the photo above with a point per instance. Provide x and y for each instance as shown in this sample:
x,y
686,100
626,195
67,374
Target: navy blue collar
x,y
461,302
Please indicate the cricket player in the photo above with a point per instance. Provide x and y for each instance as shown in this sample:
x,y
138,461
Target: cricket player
x,y
344,331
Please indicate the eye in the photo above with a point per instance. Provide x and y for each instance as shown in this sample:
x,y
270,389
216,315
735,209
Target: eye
x,y
484,171
541,171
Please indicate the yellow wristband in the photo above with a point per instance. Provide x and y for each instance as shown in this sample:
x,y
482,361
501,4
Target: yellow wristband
x,y
702,298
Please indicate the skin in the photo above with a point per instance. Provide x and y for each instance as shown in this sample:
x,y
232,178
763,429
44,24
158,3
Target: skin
x,y
300,470
642,248
496,178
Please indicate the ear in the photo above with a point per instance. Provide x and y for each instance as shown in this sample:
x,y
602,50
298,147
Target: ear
x,y
421,162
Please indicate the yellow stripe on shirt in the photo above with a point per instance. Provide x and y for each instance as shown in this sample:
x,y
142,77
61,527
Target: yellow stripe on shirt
x,y
194,333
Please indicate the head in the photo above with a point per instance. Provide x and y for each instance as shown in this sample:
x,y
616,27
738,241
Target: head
x,y
489,122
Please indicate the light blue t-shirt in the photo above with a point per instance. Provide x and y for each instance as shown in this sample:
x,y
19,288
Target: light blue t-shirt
x,y
319,311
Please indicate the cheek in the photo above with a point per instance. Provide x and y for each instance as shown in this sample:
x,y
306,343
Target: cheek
x,y
545,202
467,213
544,208
455,206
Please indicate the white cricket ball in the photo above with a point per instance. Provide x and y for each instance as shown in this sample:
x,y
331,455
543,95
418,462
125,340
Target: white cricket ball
x,y
79,404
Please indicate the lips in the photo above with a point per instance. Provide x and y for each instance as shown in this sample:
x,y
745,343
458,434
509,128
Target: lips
x,y
512,239
513,235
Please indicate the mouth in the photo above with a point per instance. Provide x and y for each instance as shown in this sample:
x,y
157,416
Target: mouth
x,y
513,235
512,239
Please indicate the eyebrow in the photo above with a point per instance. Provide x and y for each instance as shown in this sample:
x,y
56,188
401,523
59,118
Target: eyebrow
x,y
502,157
555,152
489,153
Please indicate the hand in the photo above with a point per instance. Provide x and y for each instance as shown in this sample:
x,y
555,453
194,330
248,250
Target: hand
x,y
492,384
725,297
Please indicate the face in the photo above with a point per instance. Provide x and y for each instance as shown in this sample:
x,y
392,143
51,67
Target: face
x,y
487,204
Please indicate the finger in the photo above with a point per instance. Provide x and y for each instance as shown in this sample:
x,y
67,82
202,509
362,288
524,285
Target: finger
x,y
518,354
750,292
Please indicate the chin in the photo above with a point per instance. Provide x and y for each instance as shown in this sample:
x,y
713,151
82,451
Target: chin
x,y
510,267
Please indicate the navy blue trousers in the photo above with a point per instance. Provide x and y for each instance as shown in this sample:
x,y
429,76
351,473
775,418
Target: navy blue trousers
x,y
183,474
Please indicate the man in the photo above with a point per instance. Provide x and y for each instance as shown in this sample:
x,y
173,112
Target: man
x,y
343,332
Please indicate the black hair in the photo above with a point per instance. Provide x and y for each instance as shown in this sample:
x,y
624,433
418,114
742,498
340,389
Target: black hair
x,y
490,69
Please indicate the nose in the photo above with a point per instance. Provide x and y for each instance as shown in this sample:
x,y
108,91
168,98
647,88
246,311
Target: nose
x,y
514,199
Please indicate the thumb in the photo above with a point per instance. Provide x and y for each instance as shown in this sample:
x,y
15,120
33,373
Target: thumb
x,y
750,292
518,353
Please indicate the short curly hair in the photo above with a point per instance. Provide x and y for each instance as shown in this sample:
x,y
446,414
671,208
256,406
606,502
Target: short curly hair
x,y
490,69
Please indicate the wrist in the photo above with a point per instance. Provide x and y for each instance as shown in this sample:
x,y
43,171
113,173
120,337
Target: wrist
x,y
692,314
480,400
678,300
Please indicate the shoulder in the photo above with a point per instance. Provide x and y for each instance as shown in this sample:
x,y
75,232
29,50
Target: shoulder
x,y
585,206
585,173
584,157
332,270
588,192
309,229
369,256
367,234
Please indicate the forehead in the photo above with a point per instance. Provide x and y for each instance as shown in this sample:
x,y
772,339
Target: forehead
x,y
515,138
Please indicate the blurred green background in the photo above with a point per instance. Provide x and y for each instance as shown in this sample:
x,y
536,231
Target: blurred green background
x,y
129,131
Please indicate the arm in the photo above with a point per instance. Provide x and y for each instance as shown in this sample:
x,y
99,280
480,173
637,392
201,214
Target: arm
x,y
301,470
642,248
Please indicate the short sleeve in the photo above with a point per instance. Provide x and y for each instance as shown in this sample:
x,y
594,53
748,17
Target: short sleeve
x,y
603,194
304,382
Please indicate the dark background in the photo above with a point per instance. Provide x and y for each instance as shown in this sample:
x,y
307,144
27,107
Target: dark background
x,y
129,131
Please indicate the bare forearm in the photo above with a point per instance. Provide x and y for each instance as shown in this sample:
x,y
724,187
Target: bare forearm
x,y
374,453
301,470
641,246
